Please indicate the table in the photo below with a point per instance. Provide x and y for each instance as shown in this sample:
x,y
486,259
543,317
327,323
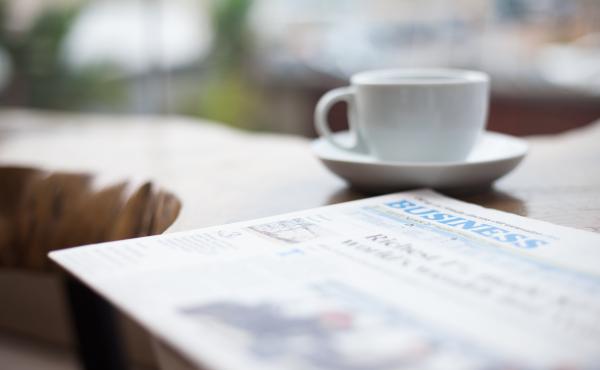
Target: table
x,y
224,175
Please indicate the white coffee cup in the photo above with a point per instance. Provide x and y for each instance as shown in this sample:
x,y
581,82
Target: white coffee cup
x,y
421,115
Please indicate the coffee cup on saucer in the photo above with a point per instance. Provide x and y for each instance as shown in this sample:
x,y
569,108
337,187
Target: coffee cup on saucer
x,y
410,115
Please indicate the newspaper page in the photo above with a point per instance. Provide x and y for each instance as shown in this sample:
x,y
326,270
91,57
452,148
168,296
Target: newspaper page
x,y
411,280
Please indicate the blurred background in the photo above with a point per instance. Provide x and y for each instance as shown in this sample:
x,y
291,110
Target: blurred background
x,y
262,64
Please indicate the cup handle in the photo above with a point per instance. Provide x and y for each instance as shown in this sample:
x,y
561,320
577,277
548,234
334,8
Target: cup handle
x,y
324,105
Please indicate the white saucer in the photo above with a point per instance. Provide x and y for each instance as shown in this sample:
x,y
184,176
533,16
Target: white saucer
x,y
494,156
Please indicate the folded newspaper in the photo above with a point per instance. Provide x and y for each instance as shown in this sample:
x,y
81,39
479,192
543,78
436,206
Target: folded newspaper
x,y
411,280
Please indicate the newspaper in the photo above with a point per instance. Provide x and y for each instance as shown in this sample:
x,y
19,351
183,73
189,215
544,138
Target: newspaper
x,y
411,280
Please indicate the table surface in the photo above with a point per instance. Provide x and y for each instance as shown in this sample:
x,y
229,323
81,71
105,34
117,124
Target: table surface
x,y
224,175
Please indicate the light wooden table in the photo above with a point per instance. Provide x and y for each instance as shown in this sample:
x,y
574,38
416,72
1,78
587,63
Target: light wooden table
x,y
223,175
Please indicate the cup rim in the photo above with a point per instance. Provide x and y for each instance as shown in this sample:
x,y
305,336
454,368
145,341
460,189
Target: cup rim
x,y
408,76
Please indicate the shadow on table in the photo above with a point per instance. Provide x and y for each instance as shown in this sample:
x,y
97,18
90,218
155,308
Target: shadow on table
x,y
486,196
496,199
